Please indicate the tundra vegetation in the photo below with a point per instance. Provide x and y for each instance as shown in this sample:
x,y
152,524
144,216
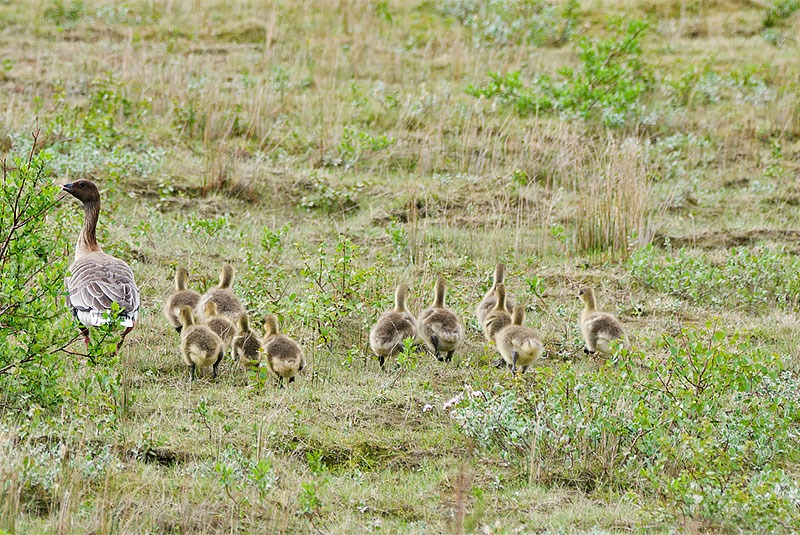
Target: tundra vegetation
x,y
331,150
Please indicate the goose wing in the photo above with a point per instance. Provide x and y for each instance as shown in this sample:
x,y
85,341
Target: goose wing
x,y
97,281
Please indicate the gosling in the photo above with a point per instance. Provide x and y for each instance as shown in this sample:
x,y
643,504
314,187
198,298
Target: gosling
x,y
387,335
498,317
183,295
246,346
439,327
227,302
285,357
221,325
518,345
200,346
598,328
490,299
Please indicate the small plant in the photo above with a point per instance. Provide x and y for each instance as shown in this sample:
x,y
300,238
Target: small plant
x,y
612,79
515,22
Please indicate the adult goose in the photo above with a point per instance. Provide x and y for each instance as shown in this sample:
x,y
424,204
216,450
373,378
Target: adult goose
x,y
97,280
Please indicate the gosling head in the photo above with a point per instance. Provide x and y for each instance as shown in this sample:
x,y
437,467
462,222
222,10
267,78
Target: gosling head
x,y
271,324
186,316
210,309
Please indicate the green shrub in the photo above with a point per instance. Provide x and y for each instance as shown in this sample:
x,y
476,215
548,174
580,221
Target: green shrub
x,y
608,85
707,425
752,278
34,255
515,22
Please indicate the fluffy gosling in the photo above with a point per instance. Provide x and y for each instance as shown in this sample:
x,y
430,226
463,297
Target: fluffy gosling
x,y
200,346
285,357
246,345
183,295
598,328
387,335
227,302
518,345
439,327
221,325
490,299
498,317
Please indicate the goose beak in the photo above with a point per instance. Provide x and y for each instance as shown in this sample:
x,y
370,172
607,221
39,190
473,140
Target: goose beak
x,y
66,187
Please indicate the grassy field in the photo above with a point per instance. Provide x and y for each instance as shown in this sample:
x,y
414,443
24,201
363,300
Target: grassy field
x,y
329,151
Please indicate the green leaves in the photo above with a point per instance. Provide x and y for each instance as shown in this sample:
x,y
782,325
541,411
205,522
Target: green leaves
x,y
608,85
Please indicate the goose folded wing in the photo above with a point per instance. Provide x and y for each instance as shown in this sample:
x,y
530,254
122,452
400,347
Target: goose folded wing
x,y
96,285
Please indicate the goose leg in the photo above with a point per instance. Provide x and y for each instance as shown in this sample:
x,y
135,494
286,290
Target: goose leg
x,y
435,342
216,364
85,334
122,338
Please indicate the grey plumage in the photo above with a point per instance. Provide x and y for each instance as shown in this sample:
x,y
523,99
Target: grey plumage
x,y
598,328
97,280
490,299
183,295
285,357
200,346
221,325
439,327
498,317
517,344
393,326
227,302
246,345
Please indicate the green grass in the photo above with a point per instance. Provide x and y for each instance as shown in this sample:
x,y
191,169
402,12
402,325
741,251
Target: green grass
x,y
331,150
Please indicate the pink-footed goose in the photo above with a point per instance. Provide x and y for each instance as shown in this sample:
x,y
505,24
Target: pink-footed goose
x,y
97,280
490,299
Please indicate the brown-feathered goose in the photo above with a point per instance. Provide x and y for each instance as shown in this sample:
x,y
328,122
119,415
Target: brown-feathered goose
x,y
97,280
285,357
598,328
227,302
439,327
490,299
387,335
183,295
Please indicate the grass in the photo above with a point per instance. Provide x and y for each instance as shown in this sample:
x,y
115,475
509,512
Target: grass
x,y
330,150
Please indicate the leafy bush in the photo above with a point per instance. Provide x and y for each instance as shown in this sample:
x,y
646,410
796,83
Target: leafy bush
x,y
749,277
515,22
34,255
609,84
708,425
